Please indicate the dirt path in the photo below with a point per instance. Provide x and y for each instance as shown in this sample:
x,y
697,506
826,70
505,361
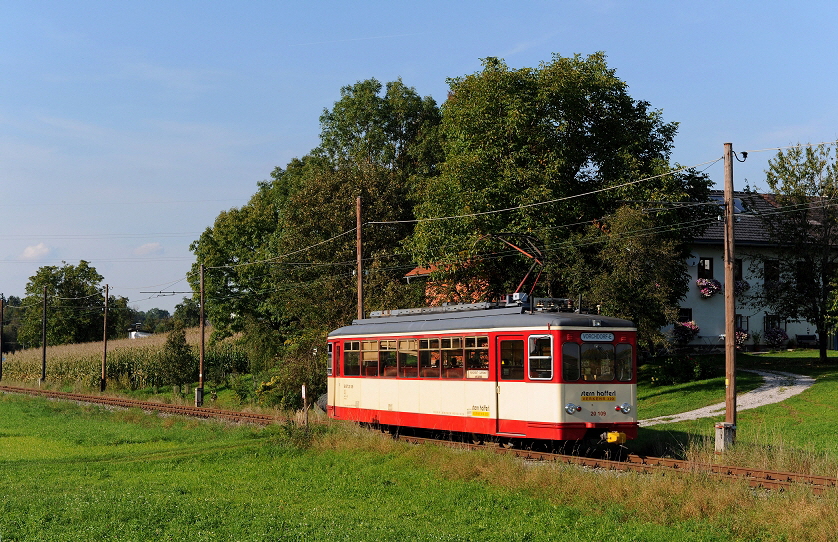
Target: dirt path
x,y
778,386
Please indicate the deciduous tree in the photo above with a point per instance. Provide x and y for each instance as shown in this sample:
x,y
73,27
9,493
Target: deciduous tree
x,y
75,306
798,277
560,145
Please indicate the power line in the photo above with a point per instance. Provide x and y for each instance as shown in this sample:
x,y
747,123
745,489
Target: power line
x,y
793,146
592,192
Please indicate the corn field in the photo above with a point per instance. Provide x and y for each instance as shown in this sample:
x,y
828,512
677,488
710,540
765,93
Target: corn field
x,y
131,363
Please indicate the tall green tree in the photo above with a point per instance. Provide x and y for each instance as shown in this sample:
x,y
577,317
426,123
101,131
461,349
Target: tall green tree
x,y
567,133
178,364
75,306
187,313
641,272
12,314
798,276
273,269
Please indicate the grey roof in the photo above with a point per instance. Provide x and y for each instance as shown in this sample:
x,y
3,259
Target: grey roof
x,y
748,228
488,319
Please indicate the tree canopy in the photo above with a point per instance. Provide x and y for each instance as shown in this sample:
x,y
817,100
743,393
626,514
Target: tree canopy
x,y
282,264
542,153
557,147
75,306
798,276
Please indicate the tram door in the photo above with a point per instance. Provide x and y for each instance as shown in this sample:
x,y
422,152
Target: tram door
x,y
509,386
333,371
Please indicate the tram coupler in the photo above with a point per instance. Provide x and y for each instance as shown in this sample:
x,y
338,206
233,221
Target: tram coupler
x,y
614,437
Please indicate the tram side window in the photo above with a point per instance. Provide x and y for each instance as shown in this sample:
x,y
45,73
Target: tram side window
x,y
329,360
408,358
369,358
477,357
570,362
352,358
624,365
386,359
541,357
512,360
598,362
429,358
452,357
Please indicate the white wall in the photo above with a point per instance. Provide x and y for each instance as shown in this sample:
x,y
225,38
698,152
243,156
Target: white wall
x,y
709,313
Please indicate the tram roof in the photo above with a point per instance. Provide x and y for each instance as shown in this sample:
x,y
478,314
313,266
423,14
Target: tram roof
x,y
478,320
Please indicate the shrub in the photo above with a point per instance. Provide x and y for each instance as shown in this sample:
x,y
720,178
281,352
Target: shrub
x,y
775,338
178,363
243,386
684,332
741,337
224,359
675,369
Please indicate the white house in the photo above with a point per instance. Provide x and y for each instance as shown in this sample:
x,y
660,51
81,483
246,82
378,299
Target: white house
x,y
707,262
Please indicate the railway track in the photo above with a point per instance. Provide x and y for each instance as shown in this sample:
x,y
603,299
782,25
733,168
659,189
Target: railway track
x,y
183,410
757,478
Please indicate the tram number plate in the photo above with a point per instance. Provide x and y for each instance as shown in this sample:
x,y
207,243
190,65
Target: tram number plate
x,y
598,337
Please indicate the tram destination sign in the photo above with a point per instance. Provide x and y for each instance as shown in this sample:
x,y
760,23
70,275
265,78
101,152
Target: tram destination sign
x,y
597,337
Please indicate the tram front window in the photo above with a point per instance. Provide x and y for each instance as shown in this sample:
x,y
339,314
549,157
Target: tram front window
x,y
570,362
597,362
624,365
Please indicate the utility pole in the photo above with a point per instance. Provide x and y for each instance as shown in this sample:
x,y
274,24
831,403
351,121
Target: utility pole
x,y
358,256
103,379
44,341
2,316
199,391
726,432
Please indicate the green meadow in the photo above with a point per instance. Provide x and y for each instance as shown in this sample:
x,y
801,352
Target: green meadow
x,y
76,472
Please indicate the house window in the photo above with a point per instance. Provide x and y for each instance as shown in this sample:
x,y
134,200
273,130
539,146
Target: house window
x,y
772,321
685,315
705,268
804,274
742,322
737,269
771,271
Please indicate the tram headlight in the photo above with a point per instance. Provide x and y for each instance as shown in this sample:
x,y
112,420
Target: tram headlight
x,y
570,408
625,408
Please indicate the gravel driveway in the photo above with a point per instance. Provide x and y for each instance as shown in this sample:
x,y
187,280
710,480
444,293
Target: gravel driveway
x,y
778,386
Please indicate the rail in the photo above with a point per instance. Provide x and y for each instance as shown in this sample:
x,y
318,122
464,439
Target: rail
x,y
758,478
184,410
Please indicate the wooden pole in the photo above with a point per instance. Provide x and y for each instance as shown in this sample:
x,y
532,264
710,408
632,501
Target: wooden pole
x,y
104,376
199,393
726,432
44,340
2,316
358,255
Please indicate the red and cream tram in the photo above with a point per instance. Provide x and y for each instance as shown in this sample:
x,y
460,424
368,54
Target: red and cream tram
x,y
487,369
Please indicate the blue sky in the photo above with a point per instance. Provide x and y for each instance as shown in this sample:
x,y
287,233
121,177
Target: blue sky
x,y
126,127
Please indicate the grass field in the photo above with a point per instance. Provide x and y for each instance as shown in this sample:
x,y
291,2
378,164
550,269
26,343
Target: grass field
x,y
71,472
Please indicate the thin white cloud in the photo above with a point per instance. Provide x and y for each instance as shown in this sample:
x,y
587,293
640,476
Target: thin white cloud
x,y
148,249
35,252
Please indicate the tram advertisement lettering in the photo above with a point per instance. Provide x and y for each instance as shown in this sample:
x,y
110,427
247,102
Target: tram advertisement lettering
x,y
480,410
348,386
598,396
